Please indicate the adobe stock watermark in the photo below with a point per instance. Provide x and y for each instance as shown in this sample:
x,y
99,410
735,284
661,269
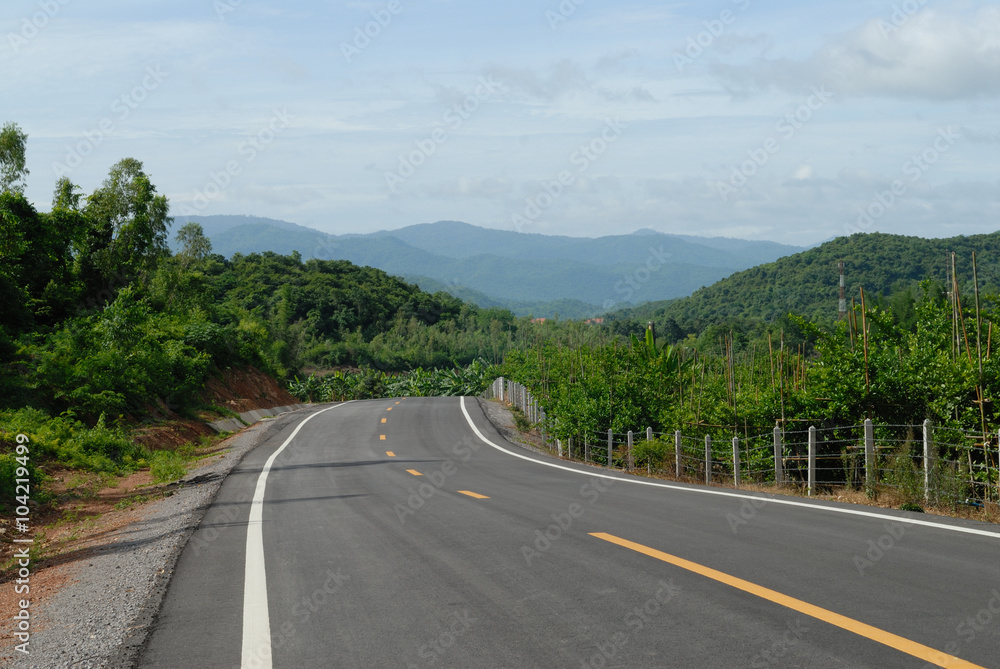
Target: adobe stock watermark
x,y
302,611
973,626
901,14
914,168
365,35
562,522
463,451
434,650
249,149
451,121
122,107
585,155
634,622
629,285
562,13
776,652
223,7
714,29
787,127
32,25
748,511
878,548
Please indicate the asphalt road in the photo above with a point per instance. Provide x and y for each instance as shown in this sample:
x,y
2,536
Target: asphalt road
x,y
392,535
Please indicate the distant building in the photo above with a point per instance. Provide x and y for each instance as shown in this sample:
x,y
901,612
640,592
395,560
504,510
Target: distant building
x,y
594,321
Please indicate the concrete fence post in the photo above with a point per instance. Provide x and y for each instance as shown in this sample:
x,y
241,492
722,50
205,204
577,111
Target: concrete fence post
x,y
611,446
736,461
677,452
708,459
779,463
649,458
559,446
871,470
812,460
928,463
631,462
569,448
586,449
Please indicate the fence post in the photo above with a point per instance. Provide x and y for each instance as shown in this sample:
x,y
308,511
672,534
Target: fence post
x,y
586,448
812,460
779,464
544,439
708,459
677,452
611,444
649,458
569,448
631,462
927,459
871,473
736,461
559,446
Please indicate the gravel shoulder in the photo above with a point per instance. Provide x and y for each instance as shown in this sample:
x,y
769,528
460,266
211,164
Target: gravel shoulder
x,y
107,601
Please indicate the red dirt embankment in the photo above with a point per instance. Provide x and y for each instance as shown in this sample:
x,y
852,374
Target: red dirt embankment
x,y
238,390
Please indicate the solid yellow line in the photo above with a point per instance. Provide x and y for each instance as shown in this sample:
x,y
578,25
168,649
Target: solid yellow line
x,y
414,472
390,454
473,494
875,634
383,420
381,437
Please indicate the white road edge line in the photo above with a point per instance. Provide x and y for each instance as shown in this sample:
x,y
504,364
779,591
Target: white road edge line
x,y
256,620
722,493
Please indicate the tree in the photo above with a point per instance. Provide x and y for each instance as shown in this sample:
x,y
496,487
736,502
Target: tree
x,y
66,195
128,228
12,163
194,244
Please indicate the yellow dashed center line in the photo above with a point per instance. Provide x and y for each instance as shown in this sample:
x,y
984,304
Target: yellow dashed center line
x,y
414,472
389,409
390,454
902,644
473,494
383,420
381,437
397,402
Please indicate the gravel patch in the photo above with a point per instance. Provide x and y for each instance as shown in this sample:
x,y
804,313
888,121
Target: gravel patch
x,y
503,421
102,617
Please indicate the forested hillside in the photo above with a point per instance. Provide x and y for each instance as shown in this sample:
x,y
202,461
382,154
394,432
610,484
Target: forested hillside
x,y
888,267
104,328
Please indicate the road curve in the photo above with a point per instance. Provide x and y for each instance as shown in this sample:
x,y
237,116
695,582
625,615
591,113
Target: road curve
x,y
407,532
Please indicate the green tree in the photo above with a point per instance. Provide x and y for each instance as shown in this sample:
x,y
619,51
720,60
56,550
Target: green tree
x,y
194,244
66,195
128,232
12,162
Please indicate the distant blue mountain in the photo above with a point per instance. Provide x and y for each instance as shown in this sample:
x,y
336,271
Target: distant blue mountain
x,y
528,273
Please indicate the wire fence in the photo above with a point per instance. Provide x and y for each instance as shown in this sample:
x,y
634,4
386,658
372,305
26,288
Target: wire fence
x,y
936,465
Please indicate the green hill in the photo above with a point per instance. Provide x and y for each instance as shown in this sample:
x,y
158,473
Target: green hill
x,y
806,283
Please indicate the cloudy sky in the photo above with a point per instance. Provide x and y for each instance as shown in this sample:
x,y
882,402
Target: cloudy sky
x,y
794,122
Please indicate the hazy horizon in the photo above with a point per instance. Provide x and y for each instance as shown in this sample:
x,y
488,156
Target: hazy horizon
x,y
783,122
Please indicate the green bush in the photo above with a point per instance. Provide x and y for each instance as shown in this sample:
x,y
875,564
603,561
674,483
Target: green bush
x,y
655,452
166,466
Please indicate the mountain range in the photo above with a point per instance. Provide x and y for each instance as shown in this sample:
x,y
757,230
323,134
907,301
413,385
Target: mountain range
x,y
531,274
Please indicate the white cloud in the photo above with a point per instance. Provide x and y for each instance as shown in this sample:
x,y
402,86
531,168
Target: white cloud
x,y
929,55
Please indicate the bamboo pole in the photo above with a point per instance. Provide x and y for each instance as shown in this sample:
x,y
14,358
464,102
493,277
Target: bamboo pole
x,y
864,339
979,348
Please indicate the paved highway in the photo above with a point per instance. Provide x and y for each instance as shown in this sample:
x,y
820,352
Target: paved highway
x,y
409,533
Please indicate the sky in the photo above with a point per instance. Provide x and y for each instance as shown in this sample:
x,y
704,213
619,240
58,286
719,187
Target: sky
x,y
792,122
